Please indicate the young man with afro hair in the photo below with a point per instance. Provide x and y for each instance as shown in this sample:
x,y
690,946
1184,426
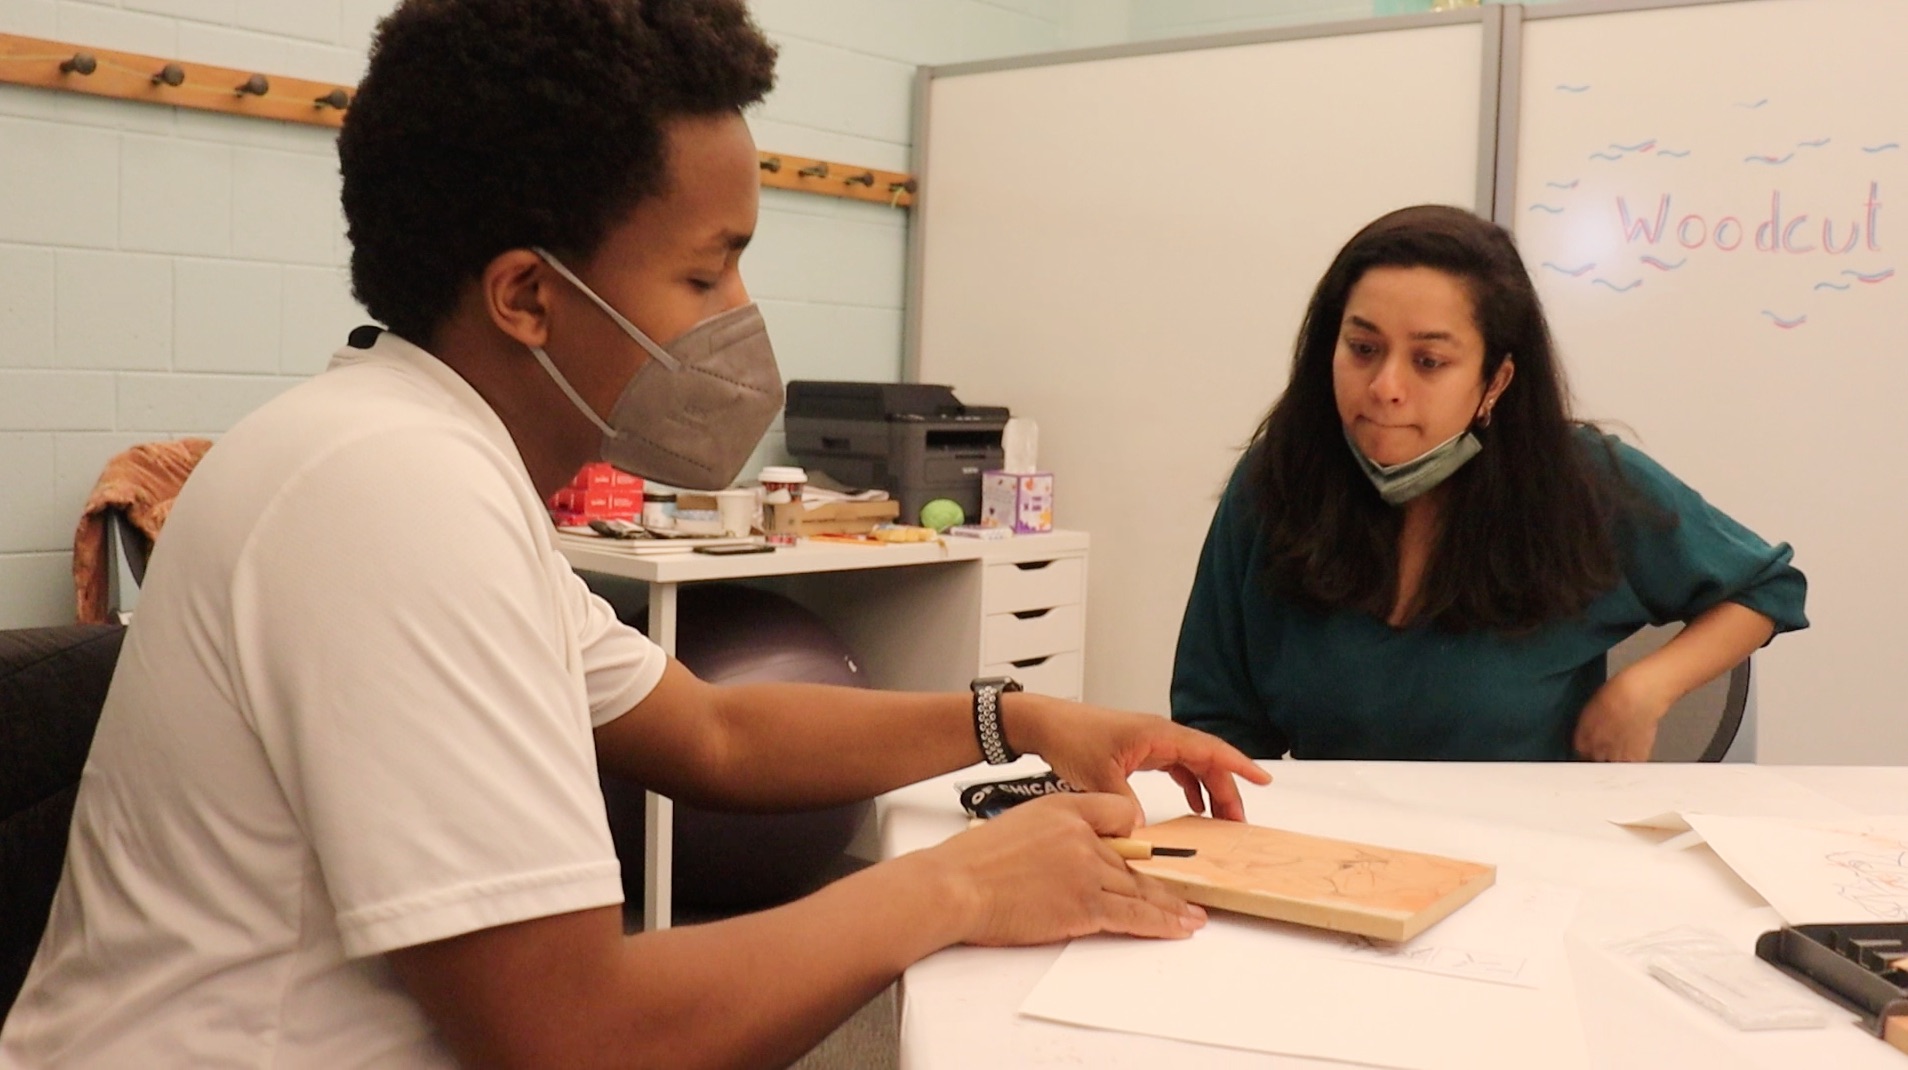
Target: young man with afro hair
x,y
342,806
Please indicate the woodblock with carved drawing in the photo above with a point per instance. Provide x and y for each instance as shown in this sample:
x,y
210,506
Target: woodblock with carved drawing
x,y
1347,887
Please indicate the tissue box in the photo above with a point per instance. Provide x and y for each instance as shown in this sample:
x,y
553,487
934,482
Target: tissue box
x,y
1022,501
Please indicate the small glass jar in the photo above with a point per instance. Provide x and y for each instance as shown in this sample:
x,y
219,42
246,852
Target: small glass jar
x,y
659,510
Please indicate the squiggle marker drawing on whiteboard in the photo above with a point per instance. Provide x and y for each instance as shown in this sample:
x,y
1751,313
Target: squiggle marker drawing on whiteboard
x,y
1551,208
1678,153
1787,325
1754,104
1625,288
1572,272
1661,265
1834,285
1816,144
1878,276
1885,147
1785,158
1572,184
1573,88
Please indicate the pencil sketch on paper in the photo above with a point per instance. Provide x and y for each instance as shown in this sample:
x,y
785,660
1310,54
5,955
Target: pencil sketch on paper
x,y
1469,963
1817,871
1875,881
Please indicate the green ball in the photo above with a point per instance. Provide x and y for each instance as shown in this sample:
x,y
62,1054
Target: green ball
x,y
942,513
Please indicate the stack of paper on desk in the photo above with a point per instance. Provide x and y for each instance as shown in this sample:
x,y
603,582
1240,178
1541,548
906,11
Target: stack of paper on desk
x,y
1428,1004
648,546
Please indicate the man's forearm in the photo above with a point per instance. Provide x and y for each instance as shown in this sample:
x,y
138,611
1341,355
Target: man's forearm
x,y
803,745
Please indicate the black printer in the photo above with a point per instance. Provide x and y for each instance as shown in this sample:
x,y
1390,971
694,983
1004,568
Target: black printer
x,y
914,440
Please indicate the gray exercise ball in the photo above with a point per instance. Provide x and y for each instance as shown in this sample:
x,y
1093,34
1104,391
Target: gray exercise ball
x,y
731,634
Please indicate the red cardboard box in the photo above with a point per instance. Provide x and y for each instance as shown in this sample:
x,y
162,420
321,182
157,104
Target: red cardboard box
x,y
599,492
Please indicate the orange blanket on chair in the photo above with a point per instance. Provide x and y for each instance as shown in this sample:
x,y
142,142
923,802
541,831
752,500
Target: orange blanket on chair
x,y
142,482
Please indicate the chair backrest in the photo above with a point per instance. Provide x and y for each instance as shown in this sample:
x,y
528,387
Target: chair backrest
x,y
52,684
1703,724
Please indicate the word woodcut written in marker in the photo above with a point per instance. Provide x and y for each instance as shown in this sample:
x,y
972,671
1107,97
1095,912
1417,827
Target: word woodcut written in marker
x,y
1379,892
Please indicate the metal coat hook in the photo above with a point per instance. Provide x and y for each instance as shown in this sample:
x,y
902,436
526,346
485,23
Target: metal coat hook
x,y
337,98
257,85
82,63
866,178
773,165
819,169
171,74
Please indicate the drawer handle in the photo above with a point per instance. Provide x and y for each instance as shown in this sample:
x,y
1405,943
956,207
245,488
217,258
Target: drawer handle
x,y
1029,566
1032,614
1029,663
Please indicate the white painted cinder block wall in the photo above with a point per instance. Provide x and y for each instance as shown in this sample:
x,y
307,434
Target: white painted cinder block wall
x,y
164,272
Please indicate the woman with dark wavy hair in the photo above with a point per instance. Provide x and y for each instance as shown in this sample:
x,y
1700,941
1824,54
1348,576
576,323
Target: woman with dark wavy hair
x,y
1423,556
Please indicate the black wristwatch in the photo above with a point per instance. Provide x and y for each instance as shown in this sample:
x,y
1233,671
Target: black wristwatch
x,y
993,741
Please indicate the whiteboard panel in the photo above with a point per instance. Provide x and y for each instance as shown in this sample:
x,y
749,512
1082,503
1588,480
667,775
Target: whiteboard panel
x,y
1122,249
1704,195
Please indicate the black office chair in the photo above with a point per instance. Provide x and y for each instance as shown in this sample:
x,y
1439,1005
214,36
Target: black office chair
x,y
1704,723
52,685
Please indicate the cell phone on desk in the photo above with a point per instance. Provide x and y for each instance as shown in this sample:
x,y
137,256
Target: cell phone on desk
x,y
730,551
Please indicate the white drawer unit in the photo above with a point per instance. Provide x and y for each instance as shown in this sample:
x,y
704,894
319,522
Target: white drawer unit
x,y
1033,620
1059,675
1038,584
1032,633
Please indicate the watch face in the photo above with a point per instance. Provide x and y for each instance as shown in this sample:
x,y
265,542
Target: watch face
x,y
1003,683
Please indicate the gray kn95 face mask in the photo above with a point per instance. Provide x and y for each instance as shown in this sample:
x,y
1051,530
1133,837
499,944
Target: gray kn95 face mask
x,y
695,411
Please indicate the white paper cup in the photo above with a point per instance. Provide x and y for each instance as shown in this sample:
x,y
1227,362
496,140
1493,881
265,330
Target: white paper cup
x,y
737,510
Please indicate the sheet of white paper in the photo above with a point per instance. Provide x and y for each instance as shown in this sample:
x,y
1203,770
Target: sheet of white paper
x,y
1817,872
1265,986
1559,795
1511,935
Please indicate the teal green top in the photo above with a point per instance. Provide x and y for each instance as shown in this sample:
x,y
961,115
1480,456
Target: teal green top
x,y
1271,676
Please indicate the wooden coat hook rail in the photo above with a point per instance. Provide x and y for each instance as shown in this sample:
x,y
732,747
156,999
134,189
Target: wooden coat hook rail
x,y
800,173
100,72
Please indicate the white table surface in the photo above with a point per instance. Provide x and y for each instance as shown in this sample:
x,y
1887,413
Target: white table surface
x,y
960,1007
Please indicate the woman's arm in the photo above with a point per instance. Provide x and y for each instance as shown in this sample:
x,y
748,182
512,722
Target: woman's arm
x,y
1619,722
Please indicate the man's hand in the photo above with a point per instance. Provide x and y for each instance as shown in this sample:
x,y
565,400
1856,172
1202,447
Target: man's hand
x,y
1098,749
1042,872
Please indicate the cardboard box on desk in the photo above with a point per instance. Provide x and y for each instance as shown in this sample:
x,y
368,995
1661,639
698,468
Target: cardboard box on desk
x,y
828,518
1022,501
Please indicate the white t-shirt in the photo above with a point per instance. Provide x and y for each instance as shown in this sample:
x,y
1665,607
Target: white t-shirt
x,y
353,714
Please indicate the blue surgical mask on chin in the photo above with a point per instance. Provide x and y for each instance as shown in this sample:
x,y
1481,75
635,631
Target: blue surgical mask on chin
x,y
695,411
1400,483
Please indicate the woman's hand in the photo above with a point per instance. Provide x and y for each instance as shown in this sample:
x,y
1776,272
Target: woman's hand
x,y
1042,872
1619,722
1098,749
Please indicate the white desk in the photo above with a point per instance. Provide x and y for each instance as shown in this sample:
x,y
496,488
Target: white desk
x,y
922,617
959,1007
